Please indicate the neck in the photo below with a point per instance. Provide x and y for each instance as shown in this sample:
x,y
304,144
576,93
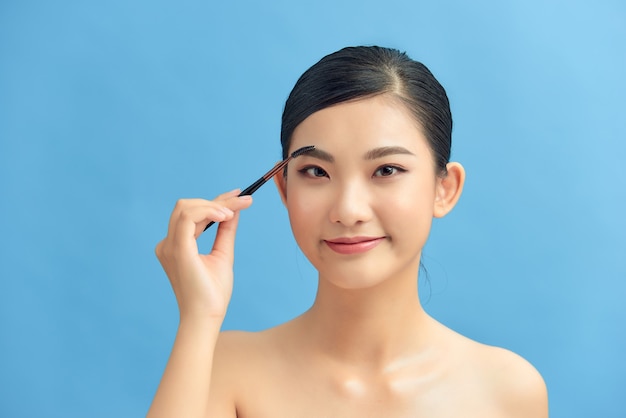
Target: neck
x,y
372,326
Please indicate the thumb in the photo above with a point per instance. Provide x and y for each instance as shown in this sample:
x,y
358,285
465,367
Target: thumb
x,y
224,244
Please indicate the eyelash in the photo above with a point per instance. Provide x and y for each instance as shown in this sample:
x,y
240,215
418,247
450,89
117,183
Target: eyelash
x,y
305,171
393,167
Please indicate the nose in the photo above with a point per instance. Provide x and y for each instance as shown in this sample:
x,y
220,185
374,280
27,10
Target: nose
x,y
351,205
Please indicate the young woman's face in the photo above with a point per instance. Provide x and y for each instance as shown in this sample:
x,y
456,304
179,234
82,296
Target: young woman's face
x,y
361,204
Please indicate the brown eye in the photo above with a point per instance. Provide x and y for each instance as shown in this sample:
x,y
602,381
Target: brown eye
x,y
314,171
387,170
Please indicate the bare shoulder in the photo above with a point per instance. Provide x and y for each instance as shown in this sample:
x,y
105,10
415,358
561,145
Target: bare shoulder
x,y
238,352
518,387
498,377
237,362
246,358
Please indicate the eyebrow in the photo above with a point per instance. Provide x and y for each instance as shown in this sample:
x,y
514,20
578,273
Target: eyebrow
x,y
320,154
385,151
369,155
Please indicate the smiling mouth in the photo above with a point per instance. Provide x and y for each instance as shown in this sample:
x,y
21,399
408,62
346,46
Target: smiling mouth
x,y
356,245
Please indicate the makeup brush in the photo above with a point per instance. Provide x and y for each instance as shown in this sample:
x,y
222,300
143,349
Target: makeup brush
x,y
260,182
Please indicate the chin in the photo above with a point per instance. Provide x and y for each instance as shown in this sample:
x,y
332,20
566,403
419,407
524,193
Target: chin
x,y
351,278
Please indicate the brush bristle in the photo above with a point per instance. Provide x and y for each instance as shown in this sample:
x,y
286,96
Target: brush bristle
x,y
302,150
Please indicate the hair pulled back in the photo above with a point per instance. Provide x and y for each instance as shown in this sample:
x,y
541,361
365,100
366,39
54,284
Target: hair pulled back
x,y
359,72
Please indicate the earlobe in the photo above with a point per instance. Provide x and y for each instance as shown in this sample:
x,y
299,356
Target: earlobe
x,y
449,190
280,179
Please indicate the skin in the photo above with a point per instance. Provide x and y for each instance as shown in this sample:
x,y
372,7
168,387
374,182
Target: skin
x,y
366,347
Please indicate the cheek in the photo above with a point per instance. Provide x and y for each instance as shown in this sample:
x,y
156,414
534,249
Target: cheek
x,y
303,211
408,210
418,203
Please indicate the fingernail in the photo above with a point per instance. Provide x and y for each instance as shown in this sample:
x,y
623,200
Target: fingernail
x,y
245,197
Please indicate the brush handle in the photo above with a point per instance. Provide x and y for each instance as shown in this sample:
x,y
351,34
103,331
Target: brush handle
x,y
260,182
253,187
246,192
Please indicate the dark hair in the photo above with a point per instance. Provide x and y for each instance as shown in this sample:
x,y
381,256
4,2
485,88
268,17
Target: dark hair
x,y
360,72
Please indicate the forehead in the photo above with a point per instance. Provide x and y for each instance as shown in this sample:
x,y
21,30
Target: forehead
x,y
379,121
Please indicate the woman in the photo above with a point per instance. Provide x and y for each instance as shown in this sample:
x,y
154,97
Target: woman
x,y
360,206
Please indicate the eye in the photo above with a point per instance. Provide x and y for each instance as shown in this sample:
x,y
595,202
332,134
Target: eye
x,y
388,170
314,171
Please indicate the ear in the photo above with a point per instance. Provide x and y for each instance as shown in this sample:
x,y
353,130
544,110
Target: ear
x,y
448,190
280,179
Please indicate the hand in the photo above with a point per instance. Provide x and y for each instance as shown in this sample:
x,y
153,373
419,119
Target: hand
x,y
202,283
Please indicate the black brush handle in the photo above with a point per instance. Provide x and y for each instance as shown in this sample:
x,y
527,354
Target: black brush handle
x,y
246,192
253,187
260,182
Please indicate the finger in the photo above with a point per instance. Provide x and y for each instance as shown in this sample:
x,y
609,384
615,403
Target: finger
x,y
191,216
180,206
224,245
235,204
192,220
232,193
183,204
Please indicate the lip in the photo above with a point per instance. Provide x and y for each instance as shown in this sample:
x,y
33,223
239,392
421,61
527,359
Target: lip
x,y
353,245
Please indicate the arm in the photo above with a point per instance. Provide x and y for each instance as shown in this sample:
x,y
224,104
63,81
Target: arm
x,y
186,382
202,284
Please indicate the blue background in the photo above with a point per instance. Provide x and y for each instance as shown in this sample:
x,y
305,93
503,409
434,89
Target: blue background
x,y
111,111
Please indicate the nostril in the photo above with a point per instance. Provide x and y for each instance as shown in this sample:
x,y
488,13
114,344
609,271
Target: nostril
x,y
350,208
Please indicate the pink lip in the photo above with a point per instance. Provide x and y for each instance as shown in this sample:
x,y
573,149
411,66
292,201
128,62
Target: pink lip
x,y
353,245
